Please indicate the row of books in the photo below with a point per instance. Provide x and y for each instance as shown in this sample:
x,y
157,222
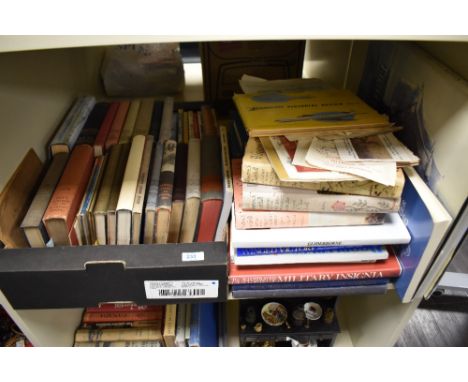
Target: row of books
x,y
131,172
131,325
323,235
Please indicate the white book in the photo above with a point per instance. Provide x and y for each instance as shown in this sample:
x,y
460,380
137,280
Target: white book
x,y
180,326
309,255
228,189
128,190
392,231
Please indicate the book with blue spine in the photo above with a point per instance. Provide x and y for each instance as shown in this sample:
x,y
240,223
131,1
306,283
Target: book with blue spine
x,y
204,325
296,255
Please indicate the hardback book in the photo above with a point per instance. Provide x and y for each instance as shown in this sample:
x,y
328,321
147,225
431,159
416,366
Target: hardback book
x,y
68,132
124,307
32,224
143,121
188,319
109,317
256,168
211,179
255,219
128,190
111,344
428,222
156,119
388,268
180,326
203,325
117,334
153,188
15,199
192,191
111,216
312,292
237,136
104,194
273,198
65,201
137,212
126,133
301,255
117,124
228,189
166,186
392,231
104,130
92,125
178,195
283,113
165,132
87,233
170,320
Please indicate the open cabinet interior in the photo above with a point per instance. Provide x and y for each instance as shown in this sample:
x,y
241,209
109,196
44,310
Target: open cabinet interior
x,y
38,86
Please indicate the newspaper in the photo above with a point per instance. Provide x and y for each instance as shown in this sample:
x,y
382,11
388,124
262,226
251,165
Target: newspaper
x,y
324,154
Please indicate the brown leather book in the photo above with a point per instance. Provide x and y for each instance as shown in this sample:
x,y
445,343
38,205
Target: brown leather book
x,y
63,206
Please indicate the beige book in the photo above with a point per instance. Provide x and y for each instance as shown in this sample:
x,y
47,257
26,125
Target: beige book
x,y
137,211
256,168
112,344
143,121
102,202
128,190
175,222
170,319
111,218
152,333
129,125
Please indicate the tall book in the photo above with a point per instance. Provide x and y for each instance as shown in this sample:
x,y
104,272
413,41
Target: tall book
x,y
111,217
314,272
256,168
204,325
93,123
137,212
143,121
165,132
428,222
255,219
156,119
211,179
65,201
32,224
170,320
15,198
129,125
228,189
180,180
192,191
65,138
322,111
128,190
392,231
117,124
180,326
86,233
104,130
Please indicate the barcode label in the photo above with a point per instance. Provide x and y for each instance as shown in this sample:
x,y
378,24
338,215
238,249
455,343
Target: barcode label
x,y
181,289
193,256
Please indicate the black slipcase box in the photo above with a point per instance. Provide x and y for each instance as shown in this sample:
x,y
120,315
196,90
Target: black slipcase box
x,y
71,277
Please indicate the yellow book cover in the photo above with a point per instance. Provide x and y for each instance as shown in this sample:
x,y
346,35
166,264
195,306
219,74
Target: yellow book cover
x,y
268,114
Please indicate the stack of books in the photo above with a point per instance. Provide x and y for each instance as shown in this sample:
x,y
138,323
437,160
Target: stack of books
x,y
131,172
316,196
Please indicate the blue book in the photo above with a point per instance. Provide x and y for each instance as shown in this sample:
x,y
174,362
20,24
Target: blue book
x,y
427,222
309,284
302,250
204,325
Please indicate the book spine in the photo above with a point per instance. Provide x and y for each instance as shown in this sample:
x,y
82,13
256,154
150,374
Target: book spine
x,y
180,327
166,120
315,292
99,143
194,339
143,121
117,124
170,325
259,197
123,307
66,125
71,136
92,317
129,125
127,334
119,344
166,178
156,119
293,251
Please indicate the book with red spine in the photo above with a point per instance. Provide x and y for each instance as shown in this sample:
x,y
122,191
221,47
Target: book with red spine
x,y
105,128
117,124
314,272
123,307
93,317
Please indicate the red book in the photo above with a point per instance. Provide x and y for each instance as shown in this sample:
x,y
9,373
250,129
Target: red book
x,y
124,307
65,201
93,317
104,130
211,179
117,124
314,272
